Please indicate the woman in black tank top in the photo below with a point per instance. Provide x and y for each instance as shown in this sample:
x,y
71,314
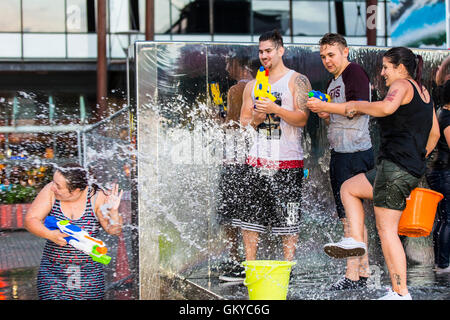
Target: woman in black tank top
x,y
409,131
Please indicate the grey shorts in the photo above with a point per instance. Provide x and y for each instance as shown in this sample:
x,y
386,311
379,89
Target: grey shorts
x,y
391,185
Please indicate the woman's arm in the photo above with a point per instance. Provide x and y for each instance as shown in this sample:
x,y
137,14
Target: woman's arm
x,y
396,96
434,135
107,210
36,214
447,135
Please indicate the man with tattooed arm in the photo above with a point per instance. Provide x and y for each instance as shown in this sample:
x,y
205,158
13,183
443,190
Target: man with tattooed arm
x,y
274,172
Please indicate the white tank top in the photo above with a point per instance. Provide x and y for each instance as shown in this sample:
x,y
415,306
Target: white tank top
x,y
276,143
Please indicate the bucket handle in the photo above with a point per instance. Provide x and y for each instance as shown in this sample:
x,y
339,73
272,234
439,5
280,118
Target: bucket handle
x,y
250,283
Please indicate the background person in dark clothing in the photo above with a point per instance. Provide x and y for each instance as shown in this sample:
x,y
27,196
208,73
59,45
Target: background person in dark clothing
x,y
438,176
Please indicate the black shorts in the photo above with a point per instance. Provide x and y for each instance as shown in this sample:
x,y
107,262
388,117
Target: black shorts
x,y
230,192
343,166
272,200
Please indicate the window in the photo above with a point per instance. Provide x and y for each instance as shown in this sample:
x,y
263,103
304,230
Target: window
x,y
189,16
43,16
310,18
269,15
10,16
162,16
77,17
232,17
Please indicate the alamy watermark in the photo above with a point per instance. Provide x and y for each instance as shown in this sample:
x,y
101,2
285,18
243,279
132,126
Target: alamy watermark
x,y
371,22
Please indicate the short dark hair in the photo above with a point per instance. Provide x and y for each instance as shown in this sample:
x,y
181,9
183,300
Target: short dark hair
x,y
333,38
274,35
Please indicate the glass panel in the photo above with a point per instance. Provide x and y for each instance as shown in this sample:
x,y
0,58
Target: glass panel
x,y
43,16
76,16
162,16
44,46
10,16
190,16
119,16
269,15
10,45
310,18
82,45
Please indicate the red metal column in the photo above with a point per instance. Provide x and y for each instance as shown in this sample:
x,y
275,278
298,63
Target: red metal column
x,y
102,68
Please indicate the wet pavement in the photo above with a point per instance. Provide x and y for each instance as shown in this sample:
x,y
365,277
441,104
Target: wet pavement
x,y
314,284
20,256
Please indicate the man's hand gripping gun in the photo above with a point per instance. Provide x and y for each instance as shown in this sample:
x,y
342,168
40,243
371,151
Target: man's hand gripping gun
x,y
319,95
262,87
80,239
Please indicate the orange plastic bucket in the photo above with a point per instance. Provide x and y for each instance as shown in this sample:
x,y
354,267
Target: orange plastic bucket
x,y
418,217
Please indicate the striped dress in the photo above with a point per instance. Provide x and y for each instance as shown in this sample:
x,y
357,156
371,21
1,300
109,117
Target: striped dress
x,y
66,273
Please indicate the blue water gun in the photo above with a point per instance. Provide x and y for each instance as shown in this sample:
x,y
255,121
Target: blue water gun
x,y
80,239
319,95
305,173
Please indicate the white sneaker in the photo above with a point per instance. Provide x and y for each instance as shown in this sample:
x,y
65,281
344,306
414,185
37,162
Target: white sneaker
x,y
392,295
347,247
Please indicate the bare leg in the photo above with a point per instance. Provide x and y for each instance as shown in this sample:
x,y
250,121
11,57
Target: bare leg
x,y
352,192
387,225
250,239
352,271
364,268
232,234
289,246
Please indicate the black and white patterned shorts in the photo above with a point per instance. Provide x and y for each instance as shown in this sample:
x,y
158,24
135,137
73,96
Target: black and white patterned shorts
x,y
272,200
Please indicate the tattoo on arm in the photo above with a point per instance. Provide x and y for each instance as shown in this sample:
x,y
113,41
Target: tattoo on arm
x,y
302,87
391,95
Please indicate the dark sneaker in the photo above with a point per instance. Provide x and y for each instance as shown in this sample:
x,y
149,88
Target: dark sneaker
x,y
237,273
345,283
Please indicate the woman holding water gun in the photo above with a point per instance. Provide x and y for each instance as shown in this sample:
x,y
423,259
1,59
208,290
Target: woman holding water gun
x,y
67,273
